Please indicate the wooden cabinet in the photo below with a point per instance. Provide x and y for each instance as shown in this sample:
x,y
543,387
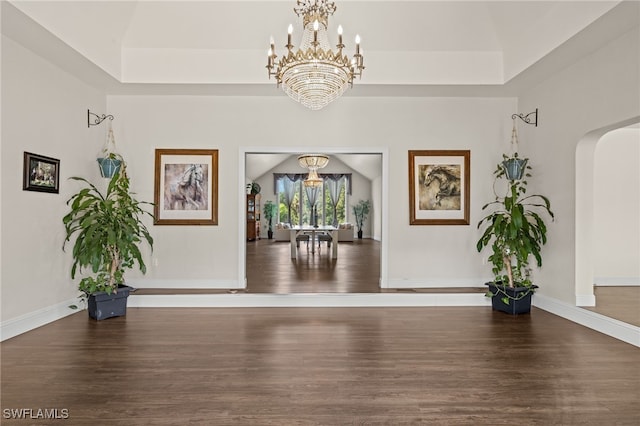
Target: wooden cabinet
x,y
253,217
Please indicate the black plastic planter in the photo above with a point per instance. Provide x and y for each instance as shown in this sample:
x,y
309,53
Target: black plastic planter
x,y
102,305
519,298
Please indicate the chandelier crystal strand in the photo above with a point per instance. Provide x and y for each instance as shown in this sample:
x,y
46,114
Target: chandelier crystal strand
x,y
315,74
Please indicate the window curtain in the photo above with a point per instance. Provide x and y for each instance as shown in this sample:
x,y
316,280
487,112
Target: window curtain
x,y
293,177
334,187
302,176
312,196
336,177
289,193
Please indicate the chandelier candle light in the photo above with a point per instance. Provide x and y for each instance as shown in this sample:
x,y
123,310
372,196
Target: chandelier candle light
x,y
314,75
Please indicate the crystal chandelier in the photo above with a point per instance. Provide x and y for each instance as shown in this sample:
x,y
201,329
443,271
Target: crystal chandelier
x,y
313,162
314,75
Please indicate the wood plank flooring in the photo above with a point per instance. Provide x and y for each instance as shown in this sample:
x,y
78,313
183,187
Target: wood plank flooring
x,y
321,366
621,303
270,268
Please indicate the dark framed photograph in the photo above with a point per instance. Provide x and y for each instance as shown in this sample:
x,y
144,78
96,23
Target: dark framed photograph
x,y
40,173
439,185
186,187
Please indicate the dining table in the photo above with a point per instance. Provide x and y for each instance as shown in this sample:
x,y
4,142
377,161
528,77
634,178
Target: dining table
x,y
313,233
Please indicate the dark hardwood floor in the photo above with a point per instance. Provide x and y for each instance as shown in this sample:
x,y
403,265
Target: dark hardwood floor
x,y
621,303
270,268
320,366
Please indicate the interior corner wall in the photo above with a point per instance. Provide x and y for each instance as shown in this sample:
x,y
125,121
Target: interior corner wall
x,y
417,255
595,92
44,111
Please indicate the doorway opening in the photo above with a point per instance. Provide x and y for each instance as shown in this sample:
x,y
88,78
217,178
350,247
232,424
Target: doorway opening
x,y
361,264
590,185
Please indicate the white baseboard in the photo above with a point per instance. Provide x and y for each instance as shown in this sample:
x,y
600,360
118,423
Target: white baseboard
x,y
616,281
33,320
585,300
609,326
184,284
306,300
436,283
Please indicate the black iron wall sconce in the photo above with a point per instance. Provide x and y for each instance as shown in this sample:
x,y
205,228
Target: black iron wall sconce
x,y
526,118
97,119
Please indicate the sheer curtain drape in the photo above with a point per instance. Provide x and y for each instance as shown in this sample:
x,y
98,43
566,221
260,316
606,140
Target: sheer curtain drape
x,y
334,187
312,196
289,193
286,184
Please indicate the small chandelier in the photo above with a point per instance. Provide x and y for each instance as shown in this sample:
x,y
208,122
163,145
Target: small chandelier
x,y
314,75
313,162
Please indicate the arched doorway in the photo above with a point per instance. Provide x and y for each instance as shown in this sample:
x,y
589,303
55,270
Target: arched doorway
x,y
585,208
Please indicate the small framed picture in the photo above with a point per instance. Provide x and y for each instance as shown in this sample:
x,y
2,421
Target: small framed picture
x,y
186,187
439,187
40,173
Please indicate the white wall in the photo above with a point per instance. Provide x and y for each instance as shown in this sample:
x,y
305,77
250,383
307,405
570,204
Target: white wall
x,y
617,208
44,111
418,255
599,90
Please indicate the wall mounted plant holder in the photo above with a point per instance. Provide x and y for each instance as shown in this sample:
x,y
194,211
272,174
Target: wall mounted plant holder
x,y
109,160
95,119
531,118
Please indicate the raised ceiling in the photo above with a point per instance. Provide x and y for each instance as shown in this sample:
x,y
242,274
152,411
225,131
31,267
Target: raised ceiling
x,y
411,48
224,43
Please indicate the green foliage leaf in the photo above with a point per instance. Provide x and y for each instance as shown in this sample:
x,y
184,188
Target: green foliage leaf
x,y
108,229
515,230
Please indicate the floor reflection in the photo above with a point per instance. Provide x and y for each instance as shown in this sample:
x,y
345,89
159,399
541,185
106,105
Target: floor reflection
x,y
621,303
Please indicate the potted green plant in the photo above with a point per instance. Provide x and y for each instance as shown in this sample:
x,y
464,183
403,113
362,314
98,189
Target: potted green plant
x,y
270,210
516,231
108,230
109,164
253,188
514,167
109,160
360,211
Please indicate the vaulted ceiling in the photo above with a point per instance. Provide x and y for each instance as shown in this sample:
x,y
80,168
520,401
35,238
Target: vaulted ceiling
x,y
407,45
411,48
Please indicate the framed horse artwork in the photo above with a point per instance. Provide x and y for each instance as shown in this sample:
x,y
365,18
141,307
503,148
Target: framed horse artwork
x,y
186,187
439,184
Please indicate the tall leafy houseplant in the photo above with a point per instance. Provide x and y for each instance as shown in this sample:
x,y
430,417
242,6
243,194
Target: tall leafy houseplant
x,y
515,231
270,210
109,230
360,211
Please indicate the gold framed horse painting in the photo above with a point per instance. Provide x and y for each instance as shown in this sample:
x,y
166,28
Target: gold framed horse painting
x,y
439,187
186,187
